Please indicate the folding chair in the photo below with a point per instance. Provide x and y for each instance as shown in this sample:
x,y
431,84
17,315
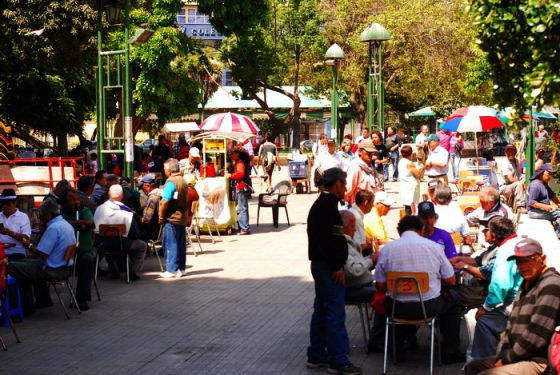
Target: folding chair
x,y
364,318
3,303
197,234
115,231
208,219
68,256
153,245
409,283
94,276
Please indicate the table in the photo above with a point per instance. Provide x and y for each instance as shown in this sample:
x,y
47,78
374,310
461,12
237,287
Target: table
x,y
542,231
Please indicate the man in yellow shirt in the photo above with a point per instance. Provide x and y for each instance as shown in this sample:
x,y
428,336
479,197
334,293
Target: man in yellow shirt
x,y
373,223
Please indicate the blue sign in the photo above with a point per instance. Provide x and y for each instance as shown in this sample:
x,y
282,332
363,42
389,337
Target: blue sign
x,y
201,32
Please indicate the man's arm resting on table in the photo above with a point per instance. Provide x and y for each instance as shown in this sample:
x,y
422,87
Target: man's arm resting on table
x,y
542,206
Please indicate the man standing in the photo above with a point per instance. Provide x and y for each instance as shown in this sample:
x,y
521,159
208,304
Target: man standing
x,y
524,346
328,252
243,182
513,180
361,174
325,161
15,226
364,136
392,143
268,158
437,164
445,139
173,215
162,152
422,144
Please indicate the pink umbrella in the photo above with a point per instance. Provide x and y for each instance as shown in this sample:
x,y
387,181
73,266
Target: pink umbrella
x,y
229,123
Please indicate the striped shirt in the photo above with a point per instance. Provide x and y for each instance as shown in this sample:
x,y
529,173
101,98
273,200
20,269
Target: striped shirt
x,y
532,320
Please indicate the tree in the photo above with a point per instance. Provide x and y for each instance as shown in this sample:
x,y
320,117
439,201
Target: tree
x,y
522,42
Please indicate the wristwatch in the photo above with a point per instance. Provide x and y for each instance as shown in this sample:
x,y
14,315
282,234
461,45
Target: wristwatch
x,y
466,267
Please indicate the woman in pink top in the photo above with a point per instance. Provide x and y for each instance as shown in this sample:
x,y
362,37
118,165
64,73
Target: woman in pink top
x,y
456,145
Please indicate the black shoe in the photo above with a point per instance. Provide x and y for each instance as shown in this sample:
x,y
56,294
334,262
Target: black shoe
x,y
449,358
348,369
82,305
134,277
313,363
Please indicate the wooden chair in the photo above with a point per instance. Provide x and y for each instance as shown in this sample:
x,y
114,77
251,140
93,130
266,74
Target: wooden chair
x,y
407,283
65,279
3,297
275,199
115,232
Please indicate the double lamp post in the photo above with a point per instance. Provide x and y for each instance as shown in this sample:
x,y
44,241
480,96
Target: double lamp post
x,y
374,35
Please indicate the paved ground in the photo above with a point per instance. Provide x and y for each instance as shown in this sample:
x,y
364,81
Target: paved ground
x,y
244,308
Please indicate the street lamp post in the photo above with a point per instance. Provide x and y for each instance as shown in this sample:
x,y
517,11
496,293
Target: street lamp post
x,y
530,152
333,55
374,36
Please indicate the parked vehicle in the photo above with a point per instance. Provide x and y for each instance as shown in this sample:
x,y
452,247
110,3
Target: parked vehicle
x,y
147,143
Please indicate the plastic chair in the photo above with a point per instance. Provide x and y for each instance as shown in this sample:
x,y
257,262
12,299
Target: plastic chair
x,y
154,246
275,199
16,311
6,317
68,256
409,283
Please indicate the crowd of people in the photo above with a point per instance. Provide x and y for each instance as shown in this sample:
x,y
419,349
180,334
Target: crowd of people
x,y
498,281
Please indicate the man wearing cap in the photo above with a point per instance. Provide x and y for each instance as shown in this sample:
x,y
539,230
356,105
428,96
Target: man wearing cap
x,y
325,161
539,196
149,198
504,283
513,184
361,174
426,210
524,346
328,251
14,226
374,227
191,165
437,163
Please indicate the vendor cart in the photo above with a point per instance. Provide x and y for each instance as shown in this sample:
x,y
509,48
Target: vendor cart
x,y
299,169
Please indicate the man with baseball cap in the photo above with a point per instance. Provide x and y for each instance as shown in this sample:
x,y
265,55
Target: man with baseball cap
x,y
437,163
524,346
427,211
539,196
373,224
361,173
191,165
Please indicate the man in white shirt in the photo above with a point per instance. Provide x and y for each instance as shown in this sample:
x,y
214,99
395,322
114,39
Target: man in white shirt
x,y
490,206
363,205
437,163
14,226
512,189
363,136
421,144
450,215
324,161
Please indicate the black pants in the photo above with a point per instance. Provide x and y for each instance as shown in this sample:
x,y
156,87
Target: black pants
x,y
85,267
449,311
16,256
34,272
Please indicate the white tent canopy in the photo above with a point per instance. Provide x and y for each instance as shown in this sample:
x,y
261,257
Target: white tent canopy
x,y
180,127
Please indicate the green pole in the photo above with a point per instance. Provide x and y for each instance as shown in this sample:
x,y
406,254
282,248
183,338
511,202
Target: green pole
x,y
129,142
100,102
530,150
370,88
334,104
380,90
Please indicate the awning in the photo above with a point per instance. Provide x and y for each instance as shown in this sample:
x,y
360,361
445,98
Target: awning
x,y
422,112
180,127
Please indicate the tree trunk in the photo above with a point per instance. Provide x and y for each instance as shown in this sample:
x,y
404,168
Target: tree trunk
x,y
23,133
62,143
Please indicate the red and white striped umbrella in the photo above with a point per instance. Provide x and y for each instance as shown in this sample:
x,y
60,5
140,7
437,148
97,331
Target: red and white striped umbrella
x,y
229,123
475,118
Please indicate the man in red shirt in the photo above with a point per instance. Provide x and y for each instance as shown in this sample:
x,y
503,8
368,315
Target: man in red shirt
x,y
240,175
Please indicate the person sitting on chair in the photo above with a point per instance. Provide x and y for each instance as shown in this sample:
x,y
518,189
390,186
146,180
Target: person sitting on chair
x,y
150,197
490,206
112,212
14,226
540,195
58,236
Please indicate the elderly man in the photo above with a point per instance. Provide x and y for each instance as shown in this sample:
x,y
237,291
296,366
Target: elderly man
x,y
357,270
373,224
362,206
422,144
113,211
513,182
173,215
325,161
328,251
191,165
490,206
413,253
15,226
361,174
450,215
81,219
531,324
505,280
56,239
539,197
437,163
149,198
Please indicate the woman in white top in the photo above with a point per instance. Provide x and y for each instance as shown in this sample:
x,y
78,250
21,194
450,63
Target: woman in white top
x,y
345,154
409,177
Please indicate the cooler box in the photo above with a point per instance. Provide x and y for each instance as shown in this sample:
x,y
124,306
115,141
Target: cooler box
x,y
297,169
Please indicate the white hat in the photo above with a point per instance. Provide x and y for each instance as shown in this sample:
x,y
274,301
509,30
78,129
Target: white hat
x,y
194,152
384,198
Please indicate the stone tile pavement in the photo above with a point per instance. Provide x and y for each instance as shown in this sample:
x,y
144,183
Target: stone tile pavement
x,y
243,308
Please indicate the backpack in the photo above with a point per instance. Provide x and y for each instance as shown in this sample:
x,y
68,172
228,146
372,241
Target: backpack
x,y
554,352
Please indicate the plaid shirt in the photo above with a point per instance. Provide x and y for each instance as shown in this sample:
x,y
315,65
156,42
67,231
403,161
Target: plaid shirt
x,y
151,207
532,320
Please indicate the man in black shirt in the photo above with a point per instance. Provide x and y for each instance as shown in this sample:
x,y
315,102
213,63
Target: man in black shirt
x,y
392,144
161,154
328,251
383,154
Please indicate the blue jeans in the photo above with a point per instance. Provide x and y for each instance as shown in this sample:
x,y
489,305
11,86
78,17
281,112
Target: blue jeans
x,y
455,161
487,333
393,159
329,340
243,211
546,215
175,246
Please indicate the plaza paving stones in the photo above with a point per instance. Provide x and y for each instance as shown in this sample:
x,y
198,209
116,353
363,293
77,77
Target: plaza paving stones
x,y
243,308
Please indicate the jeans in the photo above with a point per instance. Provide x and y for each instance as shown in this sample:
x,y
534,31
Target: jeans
x,y
329,340
175,247
393,159
243,211
487,332
455,161
85,266
546,215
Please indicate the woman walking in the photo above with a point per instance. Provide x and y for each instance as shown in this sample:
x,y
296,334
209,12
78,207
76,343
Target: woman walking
x,y
409,175
457,145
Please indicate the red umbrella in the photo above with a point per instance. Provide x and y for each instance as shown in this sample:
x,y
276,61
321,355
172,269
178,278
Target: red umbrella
x,y
229,123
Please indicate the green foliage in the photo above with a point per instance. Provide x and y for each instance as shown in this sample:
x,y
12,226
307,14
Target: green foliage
x,y
522,40
235,16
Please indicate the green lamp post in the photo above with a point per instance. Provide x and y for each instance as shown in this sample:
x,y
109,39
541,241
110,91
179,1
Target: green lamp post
x,y
333,55
530,152
374,36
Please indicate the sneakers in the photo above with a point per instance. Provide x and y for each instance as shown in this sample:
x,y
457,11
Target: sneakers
x,y
181,273
312,363
348,369
169,275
